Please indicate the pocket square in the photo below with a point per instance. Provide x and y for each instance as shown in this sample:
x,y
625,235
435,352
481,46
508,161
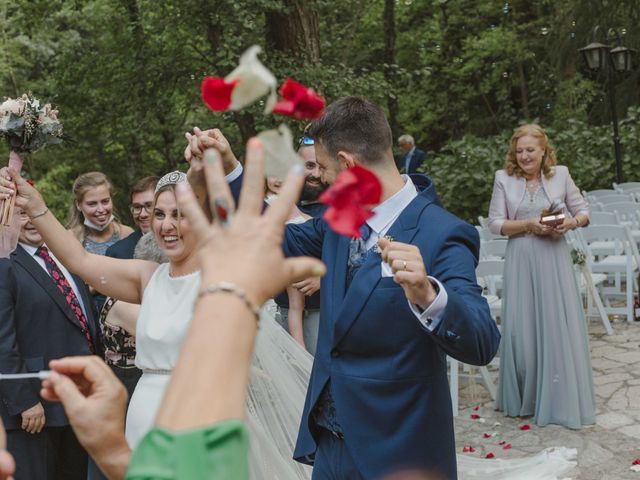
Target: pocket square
x,y
385,270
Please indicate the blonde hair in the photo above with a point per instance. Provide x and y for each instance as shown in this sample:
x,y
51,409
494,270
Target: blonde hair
x,y
82,185
548,161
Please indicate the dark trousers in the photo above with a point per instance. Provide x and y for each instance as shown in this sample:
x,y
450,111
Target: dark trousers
x,y
129,378
333,461
53,454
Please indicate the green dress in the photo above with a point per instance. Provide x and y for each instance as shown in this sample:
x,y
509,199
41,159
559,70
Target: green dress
x,y
218,452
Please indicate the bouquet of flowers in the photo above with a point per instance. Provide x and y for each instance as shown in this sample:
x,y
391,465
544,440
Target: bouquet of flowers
x,y
27,126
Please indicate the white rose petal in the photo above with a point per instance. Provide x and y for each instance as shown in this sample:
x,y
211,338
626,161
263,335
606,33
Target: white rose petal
x,y
255,81
279,153
635,468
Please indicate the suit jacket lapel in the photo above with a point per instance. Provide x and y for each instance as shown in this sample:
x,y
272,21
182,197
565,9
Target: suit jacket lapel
x,y
87,302
368,276
44,280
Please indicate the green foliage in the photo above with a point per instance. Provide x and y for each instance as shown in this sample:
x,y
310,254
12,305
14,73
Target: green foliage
x,y
463,170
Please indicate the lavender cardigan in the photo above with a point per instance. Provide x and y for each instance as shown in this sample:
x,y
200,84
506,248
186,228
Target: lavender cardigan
x,y
508,191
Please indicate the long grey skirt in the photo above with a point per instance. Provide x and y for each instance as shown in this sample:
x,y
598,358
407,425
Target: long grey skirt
x,y
545,363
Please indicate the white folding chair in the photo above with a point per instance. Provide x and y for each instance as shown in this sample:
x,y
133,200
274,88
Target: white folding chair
x,y
603,218
488,272
493,249
599,193
617,198
621,264
589,283
629,215
626,186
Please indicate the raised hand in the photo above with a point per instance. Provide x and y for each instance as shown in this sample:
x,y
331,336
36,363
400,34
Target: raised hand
x,y
245,249
202,140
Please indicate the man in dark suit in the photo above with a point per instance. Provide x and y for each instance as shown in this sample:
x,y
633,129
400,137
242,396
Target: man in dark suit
x,y
141,205
45,313
378,399
413,157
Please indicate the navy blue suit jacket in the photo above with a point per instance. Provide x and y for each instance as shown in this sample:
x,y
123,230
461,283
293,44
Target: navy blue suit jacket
x,y
36,325
389,374
417,159
124,248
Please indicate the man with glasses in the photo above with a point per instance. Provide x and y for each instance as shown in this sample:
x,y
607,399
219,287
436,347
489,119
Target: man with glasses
x,y
141,204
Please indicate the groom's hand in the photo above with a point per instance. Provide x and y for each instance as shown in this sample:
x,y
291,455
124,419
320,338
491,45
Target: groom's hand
x,y
409,272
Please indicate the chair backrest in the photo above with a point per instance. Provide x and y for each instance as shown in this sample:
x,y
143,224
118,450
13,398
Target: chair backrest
x,y
484,222
627,186
617,198
627,212
486,235
488,272
600,193
616,234
603,218
493,249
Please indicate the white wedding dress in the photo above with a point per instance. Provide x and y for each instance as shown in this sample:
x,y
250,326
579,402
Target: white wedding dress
x,y
279,377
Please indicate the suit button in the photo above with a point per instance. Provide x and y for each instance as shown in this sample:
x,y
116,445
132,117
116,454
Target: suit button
x,y
335,353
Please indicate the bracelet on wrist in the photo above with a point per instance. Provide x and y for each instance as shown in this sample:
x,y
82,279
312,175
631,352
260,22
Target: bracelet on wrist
x,y
44,212
228,287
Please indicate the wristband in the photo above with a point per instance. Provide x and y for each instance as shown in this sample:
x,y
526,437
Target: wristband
x,y
227,287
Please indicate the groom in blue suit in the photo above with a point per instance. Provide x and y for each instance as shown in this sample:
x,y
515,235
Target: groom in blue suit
x,y
378,399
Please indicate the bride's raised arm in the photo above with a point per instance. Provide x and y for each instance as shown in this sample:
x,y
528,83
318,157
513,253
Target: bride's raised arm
x,y
121,279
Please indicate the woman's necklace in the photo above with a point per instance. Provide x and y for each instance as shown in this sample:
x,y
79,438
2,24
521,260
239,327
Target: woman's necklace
x,y
532,189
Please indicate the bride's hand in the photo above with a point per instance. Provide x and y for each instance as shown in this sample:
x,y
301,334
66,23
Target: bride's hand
x,y
27,197
7,187
245,249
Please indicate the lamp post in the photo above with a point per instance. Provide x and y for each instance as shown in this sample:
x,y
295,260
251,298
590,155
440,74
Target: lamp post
x,y
599,56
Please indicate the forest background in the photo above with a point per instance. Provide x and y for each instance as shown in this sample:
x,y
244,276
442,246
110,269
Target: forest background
x,y
459,75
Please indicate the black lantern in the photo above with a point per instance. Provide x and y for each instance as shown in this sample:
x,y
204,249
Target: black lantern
x,y
621,59
599,56
595,55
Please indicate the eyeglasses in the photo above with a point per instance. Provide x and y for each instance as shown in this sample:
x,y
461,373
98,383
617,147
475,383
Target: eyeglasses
x,y
136,208
306,141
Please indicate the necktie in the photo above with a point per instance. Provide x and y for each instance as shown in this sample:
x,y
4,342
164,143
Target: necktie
x,y
65,288
357,253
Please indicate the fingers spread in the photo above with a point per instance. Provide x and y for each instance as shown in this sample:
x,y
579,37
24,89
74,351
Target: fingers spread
x,y
252,194
220,199
191,209
279,211
304,267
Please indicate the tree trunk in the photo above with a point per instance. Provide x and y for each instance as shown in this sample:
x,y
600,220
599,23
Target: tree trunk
x,y
389,27
294,29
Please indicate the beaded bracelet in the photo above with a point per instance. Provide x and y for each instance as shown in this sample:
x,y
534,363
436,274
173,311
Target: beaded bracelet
x,y
228,287
40,214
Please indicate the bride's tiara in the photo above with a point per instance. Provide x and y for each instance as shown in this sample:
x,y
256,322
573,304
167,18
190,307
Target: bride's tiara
x,y
171,178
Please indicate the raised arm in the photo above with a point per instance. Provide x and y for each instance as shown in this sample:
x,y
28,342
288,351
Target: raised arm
x,y
121,279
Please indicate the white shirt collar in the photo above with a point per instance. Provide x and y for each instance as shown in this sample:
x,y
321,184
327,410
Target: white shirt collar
x,y
412,150
387,212
29,249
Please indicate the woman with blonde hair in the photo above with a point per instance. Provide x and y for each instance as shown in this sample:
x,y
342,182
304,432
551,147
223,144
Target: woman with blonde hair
x,y
91,216
545,364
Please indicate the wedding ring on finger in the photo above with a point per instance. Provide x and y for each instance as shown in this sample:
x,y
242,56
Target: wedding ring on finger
x,y
404,265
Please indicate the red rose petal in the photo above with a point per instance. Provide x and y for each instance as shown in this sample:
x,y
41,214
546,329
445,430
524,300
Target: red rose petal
x,y
475,416
507,446
471,449
353,191
502,442
465,449
486,435
476,408
216,93
299,101
526,426
636,461
489,455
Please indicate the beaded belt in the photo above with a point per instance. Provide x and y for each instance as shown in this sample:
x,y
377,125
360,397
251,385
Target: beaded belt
x,y
156,371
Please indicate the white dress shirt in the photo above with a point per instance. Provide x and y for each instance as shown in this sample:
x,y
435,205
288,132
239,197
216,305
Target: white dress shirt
x,y
32,251
384,216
